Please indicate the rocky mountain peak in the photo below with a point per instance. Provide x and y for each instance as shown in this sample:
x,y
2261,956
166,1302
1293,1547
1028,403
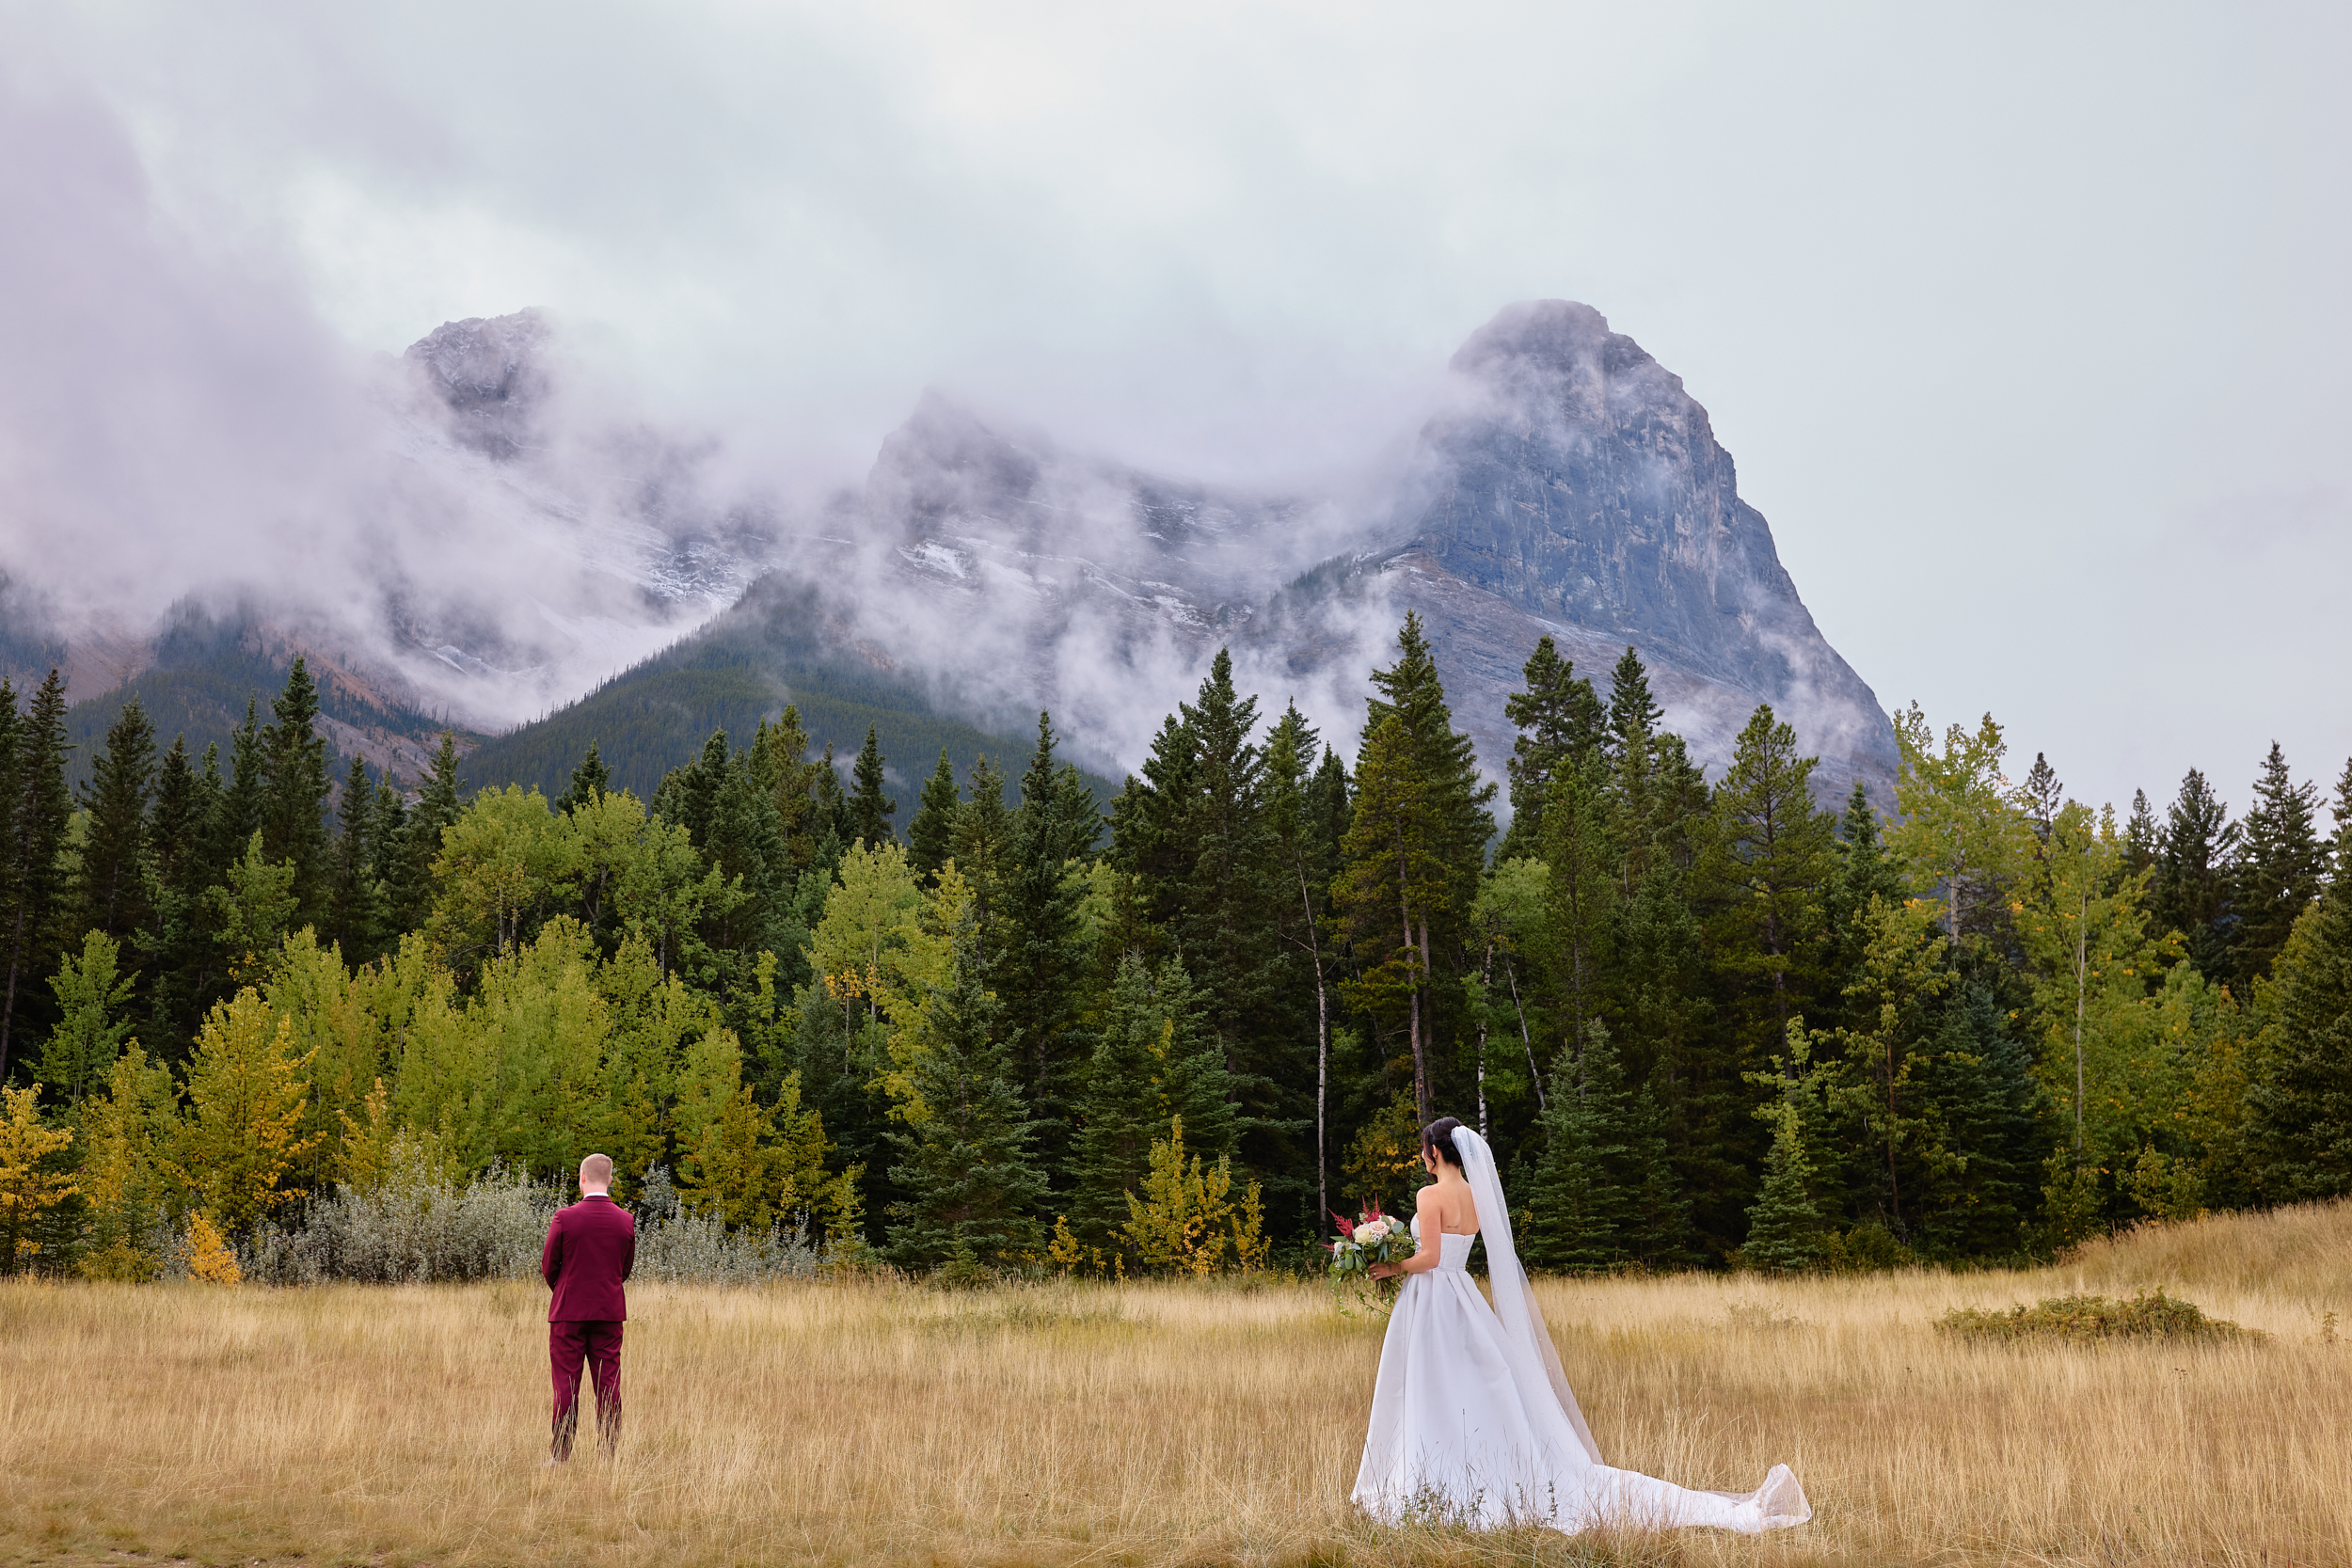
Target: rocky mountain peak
x,y
491,372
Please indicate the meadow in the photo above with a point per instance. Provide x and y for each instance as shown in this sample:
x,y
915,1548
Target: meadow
x,y
1063,1424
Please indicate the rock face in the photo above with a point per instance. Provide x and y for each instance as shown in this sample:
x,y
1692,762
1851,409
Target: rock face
x,y
489,371
1572,489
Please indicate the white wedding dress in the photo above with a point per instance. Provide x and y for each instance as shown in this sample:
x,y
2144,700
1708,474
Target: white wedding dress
x,y
1473,1423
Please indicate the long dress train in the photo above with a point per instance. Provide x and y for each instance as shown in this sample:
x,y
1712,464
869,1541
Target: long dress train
x,y
1472,1423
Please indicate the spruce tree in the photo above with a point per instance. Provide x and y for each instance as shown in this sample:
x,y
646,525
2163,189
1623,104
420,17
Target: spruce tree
x,y
2191,891
2300,1106
1996,1133
1581,896
238,816
2139,836
982,842
969,1172
870,810
1155,1060
2282,862
2042,796
409,896
1560,721
1226,921
113,890
932,835
1770,869
294,788
34,810
1037,965
1656,993
355,915
1633,714
1307,850
1785,1226
589,780
1391,874
1603,1193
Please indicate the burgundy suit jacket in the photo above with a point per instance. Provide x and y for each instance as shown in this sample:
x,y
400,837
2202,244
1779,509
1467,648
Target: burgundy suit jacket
x,y
591,1247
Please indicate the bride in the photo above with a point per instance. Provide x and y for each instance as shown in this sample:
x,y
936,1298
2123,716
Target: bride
x,y
1473,1421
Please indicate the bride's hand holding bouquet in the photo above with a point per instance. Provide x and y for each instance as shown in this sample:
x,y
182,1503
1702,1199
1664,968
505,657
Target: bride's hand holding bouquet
x,y
1368,1251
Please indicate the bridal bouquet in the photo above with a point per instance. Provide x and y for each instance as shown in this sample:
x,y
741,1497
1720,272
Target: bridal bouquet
x,y
1374,1238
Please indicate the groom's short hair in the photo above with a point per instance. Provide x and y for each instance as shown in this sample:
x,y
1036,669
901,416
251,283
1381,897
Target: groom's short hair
x,y
597,1169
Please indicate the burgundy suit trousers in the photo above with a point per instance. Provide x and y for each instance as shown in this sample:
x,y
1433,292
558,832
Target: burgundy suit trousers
x,y
570,1344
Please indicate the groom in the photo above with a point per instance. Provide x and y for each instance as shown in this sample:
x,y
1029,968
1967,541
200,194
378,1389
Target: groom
x,y
590,1248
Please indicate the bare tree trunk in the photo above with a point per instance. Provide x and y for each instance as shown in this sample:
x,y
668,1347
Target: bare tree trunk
x,y
2082,937
1486,979
8,1010
1419,981
1525,1039
1323,1039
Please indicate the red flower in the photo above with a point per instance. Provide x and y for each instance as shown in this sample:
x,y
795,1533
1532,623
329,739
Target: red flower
x,y
1346,1229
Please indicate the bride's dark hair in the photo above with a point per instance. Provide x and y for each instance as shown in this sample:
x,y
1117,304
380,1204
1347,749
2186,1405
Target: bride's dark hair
x,y
1438,1138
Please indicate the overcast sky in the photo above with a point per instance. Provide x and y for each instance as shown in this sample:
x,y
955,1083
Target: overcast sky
x,y
2028,327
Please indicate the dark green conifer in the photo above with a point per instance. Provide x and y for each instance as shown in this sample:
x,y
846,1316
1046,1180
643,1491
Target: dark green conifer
x,y
2282,862
1785,1226
1036,966
355,914
34,810
870,810
113,890
1153,1059
1770,869
589,780
2139,835
1603,1193
1983,1194
295,790
932,835
969,1172
2191,891
982,842
238,817
1560,721
2300,1106
2042,794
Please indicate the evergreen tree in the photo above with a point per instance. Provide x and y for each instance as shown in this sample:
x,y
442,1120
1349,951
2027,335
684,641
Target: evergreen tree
x,y
589,780
1633,714
2191,891
2300,1106
2282,862
2041,796
1393,874
869,809
969,1173
1036,966
1656,992
1602,1191
238,814
1561,722
113,890
1785,1226
982,841
34,810
932,835
1997,1121
1580,895
1771,865
1307,852
1224,922
1155,1060
410,895
2140,837
294,789
354,913
174,949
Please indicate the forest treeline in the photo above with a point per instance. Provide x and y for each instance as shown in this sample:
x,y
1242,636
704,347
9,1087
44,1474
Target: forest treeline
x,y
994,1027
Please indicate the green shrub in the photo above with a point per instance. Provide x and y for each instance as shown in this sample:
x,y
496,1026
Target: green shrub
x,y
2150,1315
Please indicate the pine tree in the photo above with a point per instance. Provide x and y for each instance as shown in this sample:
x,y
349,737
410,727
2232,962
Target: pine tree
x,y
589,780
294,788
1561,722
2300,1107
2041,796
355,914
113,890
1997,1119
982,842
1155,1060
1391,875
35,808
970,1175
1771,866
238,816
410,895
1580,897
2191,891
1603,1193
2139,835
1785,1224
1633,714
1657,995
932,835
1036,970
2282,862
869,809
1226,921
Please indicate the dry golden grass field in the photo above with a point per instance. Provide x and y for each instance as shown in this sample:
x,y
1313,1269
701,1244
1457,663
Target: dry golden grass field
x,y
1165,1423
